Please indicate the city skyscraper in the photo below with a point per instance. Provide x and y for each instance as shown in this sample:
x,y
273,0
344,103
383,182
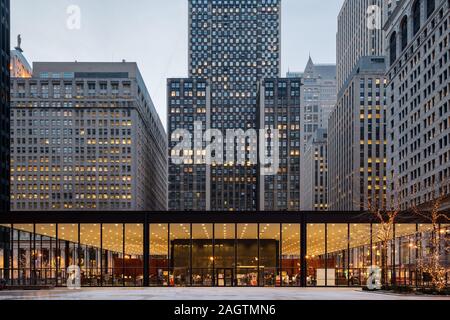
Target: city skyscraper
x,y
319,97
188,106
281,109
417,45
359,34
318,100
4,104
357,140
233,45
86,136
314,173
388,8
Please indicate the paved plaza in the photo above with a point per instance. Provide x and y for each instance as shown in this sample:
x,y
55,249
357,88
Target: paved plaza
x,y
208,294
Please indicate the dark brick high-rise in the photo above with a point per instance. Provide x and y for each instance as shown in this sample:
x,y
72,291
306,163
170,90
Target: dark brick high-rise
x,y
233,45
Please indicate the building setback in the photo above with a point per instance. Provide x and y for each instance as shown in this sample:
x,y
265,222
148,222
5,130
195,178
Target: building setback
x,y
314,173
318,97
280,109
417,44
357,140
4,104
86,136
233,45
359,34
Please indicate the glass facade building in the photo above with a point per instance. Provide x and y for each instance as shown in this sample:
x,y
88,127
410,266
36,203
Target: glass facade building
x,y
210,249
4,104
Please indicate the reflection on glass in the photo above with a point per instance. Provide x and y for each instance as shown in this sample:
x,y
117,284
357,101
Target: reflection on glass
x,y
269,253
159,255
134,259
247,255
203,255
337,273
290,275
113,258
360,253
315,255
405,253
44,254
90,254
67,249
214,254
23,254
180,252
224,254
380,234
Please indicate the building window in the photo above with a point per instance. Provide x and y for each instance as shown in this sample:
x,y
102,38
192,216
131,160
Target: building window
x,y
416,16
404,32
393,47
431,5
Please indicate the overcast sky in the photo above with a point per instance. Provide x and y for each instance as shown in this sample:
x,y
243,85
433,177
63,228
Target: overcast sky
x,y
153,33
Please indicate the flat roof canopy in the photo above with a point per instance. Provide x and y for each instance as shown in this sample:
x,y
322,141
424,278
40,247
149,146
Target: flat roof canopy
x,y
201,217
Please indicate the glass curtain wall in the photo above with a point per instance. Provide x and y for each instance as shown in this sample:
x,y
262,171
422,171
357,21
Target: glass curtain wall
x,y
290,256
247,255
202,258
269,253
224,255
180,255
337,271
159,255
316,255
360,253
134,255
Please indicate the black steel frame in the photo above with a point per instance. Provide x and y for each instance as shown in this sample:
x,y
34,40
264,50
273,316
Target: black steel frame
x,y
148,218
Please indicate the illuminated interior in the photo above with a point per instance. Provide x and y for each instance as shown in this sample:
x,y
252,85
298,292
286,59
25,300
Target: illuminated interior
x,y
208,254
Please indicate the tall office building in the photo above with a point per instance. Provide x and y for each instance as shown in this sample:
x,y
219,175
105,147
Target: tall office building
x,y
280,109
4,104
318,101
419,106
314,173
357,140
233,45
359,34
188,107
388,8
318,97
86,136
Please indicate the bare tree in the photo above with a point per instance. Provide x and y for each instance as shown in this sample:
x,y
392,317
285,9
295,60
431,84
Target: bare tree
x,y
386,213
435,214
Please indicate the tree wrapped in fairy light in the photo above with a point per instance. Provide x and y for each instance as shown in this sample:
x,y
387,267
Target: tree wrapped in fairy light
x,y
435,212
385,212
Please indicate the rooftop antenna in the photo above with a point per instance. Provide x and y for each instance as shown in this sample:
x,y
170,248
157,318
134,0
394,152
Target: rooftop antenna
x,y
19,43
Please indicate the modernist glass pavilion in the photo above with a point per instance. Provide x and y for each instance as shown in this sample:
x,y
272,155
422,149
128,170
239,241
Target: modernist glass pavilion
x,y
209,249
